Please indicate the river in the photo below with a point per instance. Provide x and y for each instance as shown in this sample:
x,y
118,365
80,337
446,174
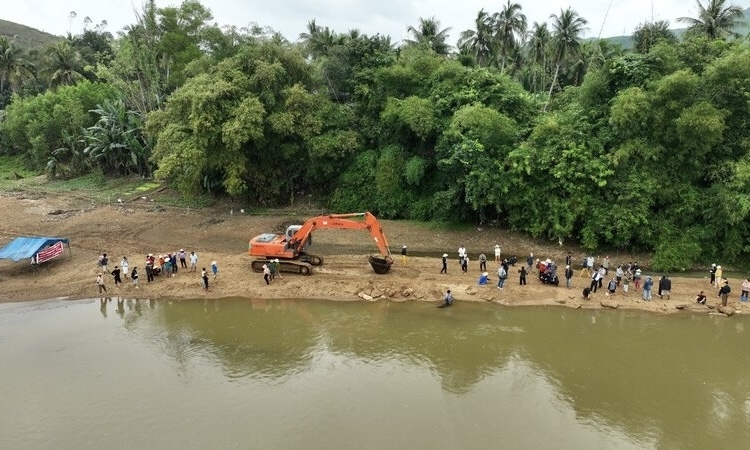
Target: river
x,y
301,374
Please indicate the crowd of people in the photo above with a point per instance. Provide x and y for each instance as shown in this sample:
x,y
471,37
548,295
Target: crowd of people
x,y
604,275
154,266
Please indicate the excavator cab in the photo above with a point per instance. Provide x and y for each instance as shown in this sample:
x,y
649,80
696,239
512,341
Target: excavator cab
x,y
290,230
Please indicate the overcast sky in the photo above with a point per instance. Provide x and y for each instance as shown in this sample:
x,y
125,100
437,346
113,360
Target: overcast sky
x,y
389,17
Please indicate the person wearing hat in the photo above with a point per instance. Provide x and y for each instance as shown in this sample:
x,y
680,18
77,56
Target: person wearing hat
x,y
719,275
712,274
277,269
100,283
724,292
497,253
568,276
483,278
266,274
403,254
445,264
272,268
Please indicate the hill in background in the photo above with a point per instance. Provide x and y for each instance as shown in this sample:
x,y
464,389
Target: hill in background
x,y
26,37
626,42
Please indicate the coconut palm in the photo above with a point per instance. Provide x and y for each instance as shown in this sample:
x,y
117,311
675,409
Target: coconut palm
x,y
63,65
478,42
428,33
509,29
566,39
716,19
14,69
538,48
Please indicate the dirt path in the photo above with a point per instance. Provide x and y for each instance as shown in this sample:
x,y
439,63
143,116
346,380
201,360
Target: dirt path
x,y
142,227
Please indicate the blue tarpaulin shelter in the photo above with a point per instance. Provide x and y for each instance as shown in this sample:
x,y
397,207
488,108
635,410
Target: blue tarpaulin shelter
x,y
27,247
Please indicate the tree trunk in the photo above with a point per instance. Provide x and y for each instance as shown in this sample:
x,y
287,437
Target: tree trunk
x,y
552,86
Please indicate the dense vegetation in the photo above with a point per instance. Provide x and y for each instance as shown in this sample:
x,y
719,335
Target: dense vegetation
x,y
529,127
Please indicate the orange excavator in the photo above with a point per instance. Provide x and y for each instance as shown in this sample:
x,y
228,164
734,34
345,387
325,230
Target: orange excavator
x,y
291,248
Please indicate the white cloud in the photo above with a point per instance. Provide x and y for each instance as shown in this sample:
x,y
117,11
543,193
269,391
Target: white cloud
x,y
391,17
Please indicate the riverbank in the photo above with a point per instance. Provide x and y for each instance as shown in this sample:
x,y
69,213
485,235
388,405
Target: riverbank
x,y
141,226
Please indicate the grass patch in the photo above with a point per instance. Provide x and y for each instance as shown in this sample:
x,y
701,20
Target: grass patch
x,y
179,201
10,167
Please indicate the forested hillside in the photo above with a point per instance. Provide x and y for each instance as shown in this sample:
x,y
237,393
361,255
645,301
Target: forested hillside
x,y
26,37
527,126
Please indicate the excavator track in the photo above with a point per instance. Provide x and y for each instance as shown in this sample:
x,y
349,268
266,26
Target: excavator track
x,y
313,260
298,267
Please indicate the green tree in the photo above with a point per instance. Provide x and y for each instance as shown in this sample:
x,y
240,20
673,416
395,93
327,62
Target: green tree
x,y
479,42
648,34
14,69
115,142
64,65
566,39
509,27
715,20
429,34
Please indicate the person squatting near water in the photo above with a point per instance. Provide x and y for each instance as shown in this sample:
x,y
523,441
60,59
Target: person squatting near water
x,y
447,300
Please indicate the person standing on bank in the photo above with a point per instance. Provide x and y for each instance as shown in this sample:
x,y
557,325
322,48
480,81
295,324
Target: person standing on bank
x,y
204,279
724,292
497,253
522,275
483,262
100,283
403,255
712,273
267,274
116,275
502,274
665,286
568,275
445,264
134,277
124,265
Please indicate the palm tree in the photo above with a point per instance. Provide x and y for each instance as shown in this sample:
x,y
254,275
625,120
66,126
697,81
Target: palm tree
x,y
478,43
715,20
429,33
319,40
509,27
63,64
538,44
566,39
14,69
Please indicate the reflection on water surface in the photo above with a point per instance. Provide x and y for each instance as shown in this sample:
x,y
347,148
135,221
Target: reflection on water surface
x,y
303,374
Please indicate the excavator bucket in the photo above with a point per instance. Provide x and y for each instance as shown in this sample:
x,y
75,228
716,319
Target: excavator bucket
x,y
380,265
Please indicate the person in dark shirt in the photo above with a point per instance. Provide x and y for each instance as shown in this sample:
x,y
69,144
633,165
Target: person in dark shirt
x,y
724,293
445,264
700,298
116,275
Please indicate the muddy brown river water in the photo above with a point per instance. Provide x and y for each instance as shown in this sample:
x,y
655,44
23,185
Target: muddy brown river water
x,y
300,374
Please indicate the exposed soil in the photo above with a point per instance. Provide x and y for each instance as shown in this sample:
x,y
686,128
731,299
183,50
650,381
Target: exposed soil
x,y
138,227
